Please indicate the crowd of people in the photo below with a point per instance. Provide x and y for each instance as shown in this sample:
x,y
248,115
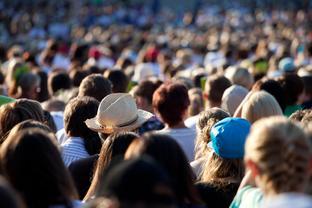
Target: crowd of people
x,y
130,105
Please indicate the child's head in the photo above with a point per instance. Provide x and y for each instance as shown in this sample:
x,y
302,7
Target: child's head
x,y
278,154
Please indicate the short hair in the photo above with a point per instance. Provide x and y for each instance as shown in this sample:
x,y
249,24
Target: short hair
x,y
282,152
239,76
76,112
77,76
96,86
18,111
215,86
171,101
58,81
274,88
146,89
259,105
28,80
293,86
31,161
119,80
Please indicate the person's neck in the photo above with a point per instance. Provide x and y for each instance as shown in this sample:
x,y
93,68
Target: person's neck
x,y
179,125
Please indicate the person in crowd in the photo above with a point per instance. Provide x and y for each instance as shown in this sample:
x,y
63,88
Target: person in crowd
x,y
214,88
277,159
274,88
117,112
113,148
196,101
293,86
260,105
224,167
57,82
18,111
30,176
143,94
232,97
119,80
161,147
81,142
204,125
165,101
96,86
151,182
239,76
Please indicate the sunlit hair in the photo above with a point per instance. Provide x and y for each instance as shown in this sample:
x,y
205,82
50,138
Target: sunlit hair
x,y
115,145
239,76
196,101
220,172
204,124
259,105
18,111
281,151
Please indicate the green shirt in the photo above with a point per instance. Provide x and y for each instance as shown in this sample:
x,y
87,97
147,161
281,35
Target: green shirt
x,y
247,197
291,109
5,100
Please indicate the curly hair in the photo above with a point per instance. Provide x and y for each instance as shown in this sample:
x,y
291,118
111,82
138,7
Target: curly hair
x,y
204,124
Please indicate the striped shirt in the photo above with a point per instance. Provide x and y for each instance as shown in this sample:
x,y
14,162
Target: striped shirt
x,y
73,149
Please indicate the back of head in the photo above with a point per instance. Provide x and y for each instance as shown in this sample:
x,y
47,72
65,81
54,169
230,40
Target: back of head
x,y
232,97
292,86
239,76
58,81
165,101
18,111
214,89
96,86
114,146
32,163
76,112
204,125
274,88
161,147
259,105
146,89
30,85
119,80
137,181
281,151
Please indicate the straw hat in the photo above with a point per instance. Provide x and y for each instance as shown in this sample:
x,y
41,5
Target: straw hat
x,y
117,112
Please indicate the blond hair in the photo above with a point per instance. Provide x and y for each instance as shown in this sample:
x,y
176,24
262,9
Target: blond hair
x,y
204,124
281,151
220,172
259,105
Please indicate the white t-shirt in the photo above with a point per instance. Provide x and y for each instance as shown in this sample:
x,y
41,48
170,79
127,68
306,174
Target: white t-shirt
x,y
185,138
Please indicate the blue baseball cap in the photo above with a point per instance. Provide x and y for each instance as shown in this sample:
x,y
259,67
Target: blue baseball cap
x,y
287,65
228,137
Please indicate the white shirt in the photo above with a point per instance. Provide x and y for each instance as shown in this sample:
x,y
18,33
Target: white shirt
x,y
73,149
185,138
61,136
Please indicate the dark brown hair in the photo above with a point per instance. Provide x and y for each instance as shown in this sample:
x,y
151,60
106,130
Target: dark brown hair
x,y
18,111
76,112
96,86
114,145
167,152
32,163
215,87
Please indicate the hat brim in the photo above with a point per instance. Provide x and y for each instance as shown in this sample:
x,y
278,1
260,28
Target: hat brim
x,y
94,125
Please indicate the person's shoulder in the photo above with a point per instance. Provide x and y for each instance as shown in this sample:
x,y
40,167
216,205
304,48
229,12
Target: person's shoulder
x,y
247,197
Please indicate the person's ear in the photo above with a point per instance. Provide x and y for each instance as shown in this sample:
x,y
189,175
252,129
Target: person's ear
x,y
252,167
